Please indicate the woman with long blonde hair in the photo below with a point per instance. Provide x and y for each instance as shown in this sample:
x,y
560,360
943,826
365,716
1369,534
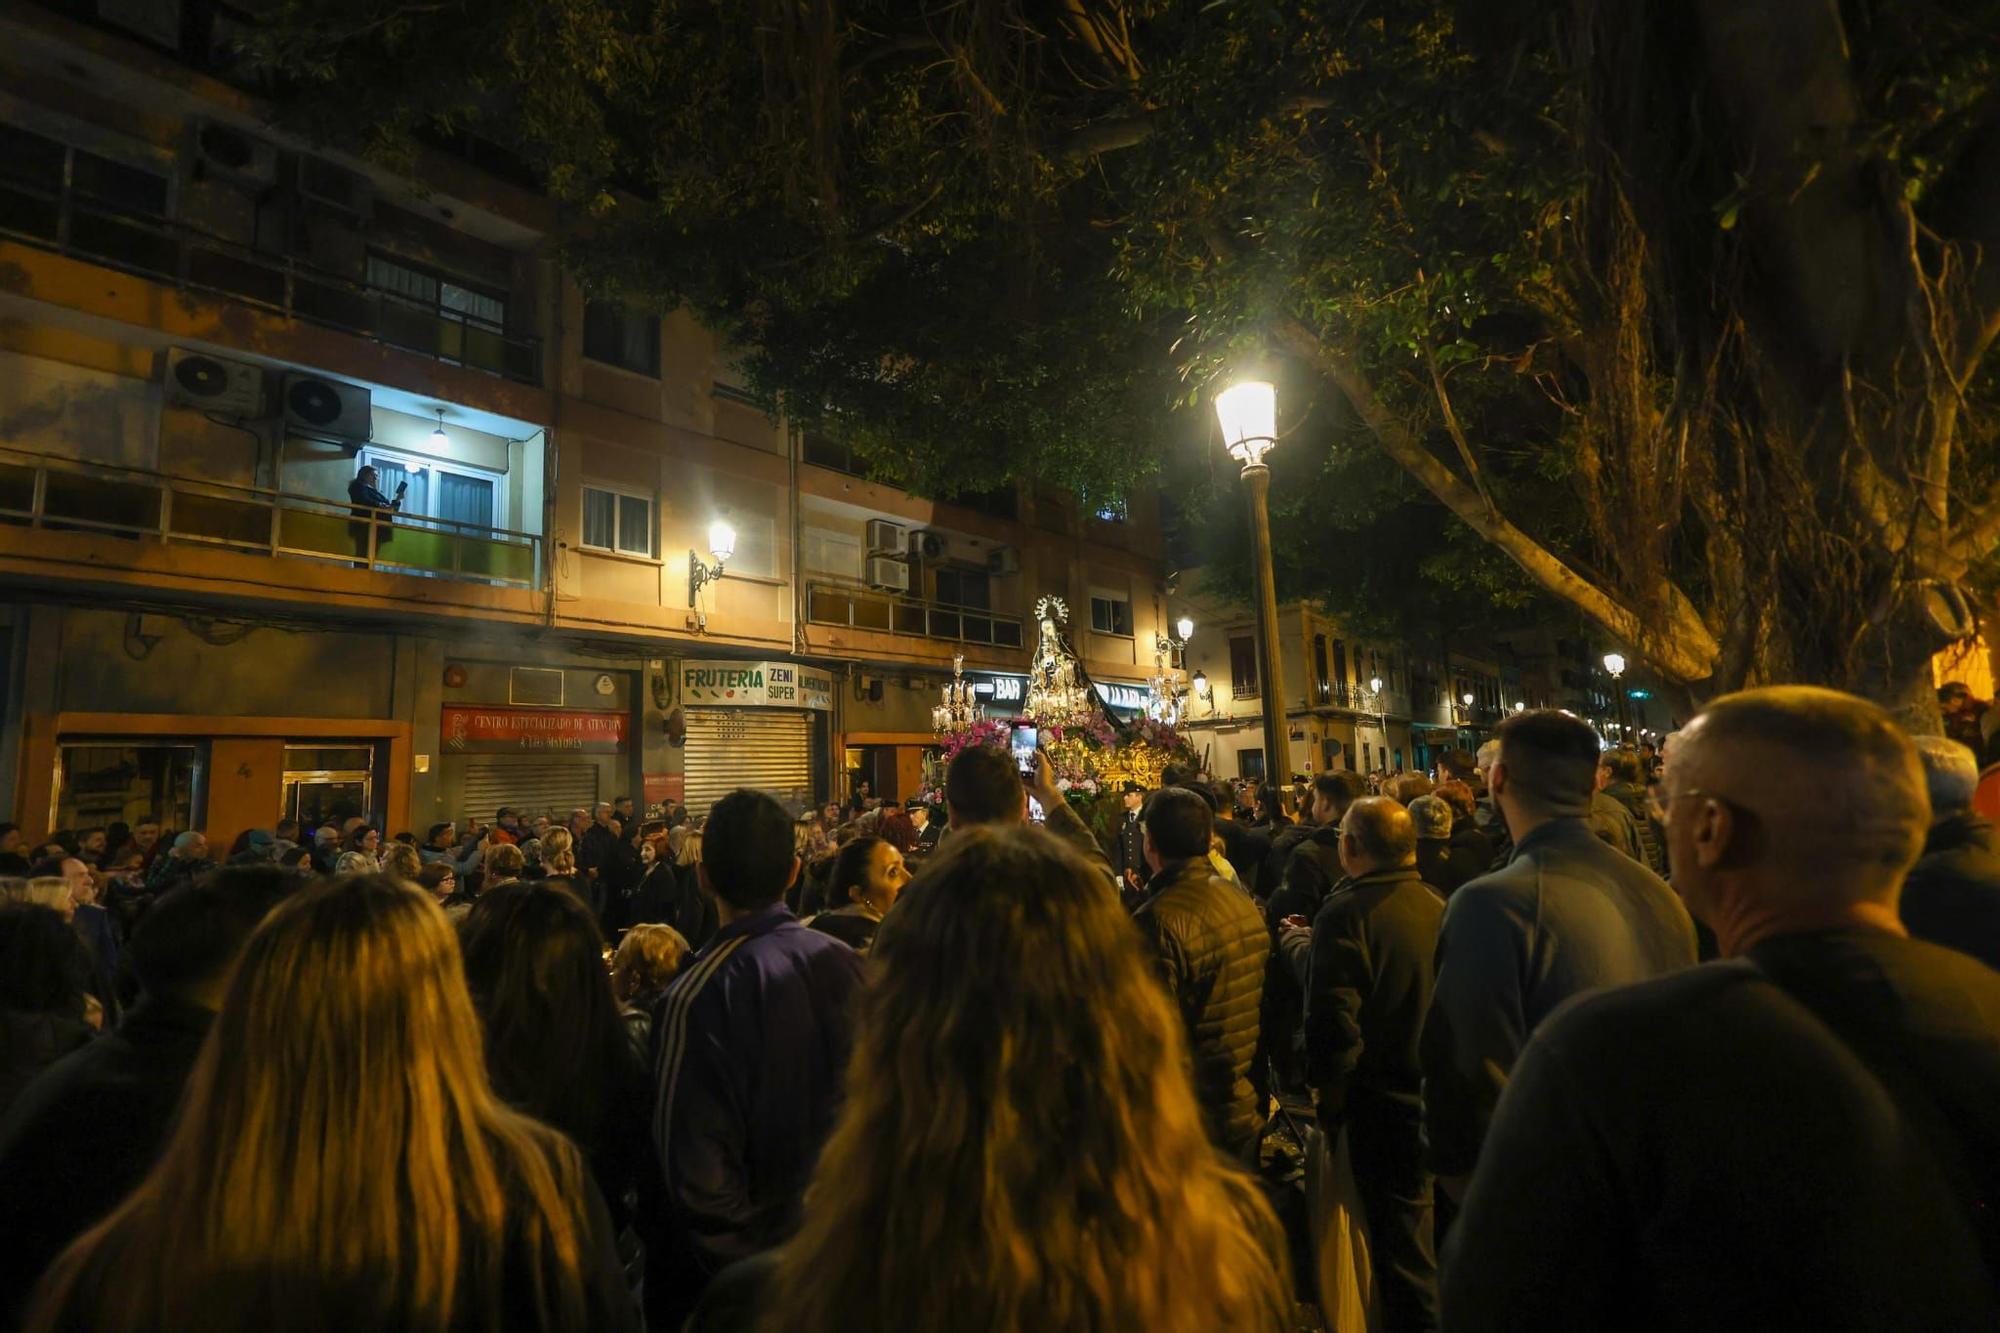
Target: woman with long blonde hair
x,y
1019,1147
340,1162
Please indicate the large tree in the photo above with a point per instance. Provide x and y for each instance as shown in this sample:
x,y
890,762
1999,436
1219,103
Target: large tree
x,y
1683,305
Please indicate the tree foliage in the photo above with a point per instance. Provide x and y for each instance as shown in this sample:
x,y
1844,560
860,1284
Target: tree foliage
x,y
1683,305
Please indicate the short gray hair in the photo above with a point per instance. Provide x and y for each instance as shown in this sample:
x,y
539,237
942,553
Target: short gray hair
x,y
1432,816
1950,773
1489,755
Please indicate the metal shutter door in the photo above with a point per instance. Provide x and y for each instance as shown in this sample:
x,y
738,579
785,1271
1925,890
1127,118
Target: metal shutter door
x,y
765,748
531,784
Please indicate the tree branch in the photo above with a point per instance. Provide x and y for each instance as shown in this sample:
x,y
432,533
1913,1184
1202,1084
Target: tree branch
x,y
1686,650
1964,209
1115,133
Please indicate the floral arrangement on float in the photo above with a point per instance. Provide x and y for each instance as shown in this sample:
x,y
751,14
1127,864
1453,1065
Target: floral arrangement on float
x,y
1093,756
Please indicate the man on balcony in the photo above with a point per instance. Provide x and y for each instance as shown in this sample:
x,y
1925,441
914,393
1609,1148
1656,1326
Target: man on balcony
x,y
367,499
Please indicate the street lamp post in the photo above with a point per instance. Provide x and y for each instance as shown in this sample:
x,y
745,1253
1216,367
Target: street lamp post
x,y
1248,411
1615,664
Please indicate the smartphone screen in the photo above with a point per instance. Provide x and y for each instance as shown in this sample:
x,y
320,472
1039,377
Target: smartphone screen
x,y
1024,743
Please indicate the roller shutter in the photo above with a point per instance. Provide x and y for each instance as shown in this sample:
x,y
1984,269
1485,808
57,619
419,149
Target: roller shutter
x,y
766,748
531,784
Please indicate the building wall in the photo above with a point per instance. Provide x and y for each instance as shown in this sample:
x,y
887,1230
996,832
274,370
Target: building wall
x,y
84,350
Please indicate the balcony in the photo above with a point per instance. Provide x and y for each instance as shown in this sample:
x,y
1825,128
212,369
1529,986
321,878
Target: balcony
x,y
910,617
61,495
193,260
1357,698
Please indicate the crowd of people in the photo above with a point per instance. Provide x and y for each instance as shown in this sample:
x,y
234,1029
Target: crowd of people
x,y
1583,1039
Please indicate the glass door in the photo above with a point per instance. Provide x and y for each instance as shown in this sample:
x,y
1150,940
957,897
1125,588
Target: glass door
x,y
465,495
328,783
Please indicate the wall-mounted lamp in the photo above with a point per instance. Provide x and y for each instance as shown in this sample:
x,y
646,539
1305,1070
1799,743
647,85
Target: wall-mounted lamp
x,y
721,545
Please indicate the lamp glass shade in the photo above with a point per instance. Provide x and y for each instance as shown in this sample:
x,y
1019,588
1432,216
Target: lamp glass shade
x,y
439,440
721,540
1614,663
1466,698
1248,412
1375,684
1184,627
1200,683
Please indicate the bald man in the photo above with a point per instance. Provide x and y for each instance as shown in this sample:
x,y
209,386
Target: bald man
x,y
1952,895
1566,914
1803,1135
1368,985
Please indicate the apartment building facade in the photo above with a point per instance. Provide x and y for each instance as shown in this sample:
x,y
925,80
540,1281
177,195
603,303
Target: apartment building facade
x,y
207,330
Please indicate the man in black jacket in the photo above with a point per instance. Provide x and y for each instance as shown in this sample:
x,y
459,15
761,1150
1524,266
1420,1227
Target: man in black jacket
x,y
1799,1136
90,1126
1308,870
1620,777
1211,947
1368,986
1952,895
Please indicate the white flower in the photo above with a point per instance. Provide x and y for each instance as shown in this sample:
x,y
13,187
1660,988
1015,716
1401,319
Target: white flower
x,y
1062,784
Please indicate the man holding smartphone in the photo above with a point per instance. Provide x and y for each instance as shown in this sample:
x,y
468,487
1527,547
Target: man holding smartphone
x,y
367,500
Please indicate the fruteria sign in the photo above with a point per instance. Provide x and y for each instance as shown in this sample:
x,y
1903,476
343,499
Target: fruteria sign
x,y
755,685
483,729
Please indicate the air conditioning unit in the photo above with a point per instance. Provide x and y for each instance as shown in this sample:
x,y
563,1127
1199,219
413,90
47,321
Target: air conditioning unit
x,y
225,153
327,408
214,384
886,538
155,21
946,548
1003,560
330,186
891,574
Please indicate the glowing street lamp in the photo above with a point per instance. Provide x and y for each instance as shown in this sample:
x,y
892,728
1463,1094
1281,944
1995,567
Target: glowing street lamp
x,y
721,545
1248,413
1615,664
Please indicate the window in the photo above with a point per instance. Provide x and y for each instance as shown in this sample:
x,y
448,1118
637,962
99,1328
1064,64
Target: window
x,y
1243,667
1319,662
1340,661
1111,612
997,503
617,335
1250,765
438,294
460,494
93,179
834,553
971,588
617,521
825,451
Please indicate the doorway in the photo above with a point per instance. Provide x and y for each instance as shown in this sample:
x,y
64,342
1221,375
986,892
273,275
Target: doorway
x,y
328,783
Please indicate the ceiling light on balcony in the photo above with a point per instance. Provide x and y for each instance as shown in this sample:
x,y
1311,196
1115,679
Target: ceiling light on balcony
x,y
440,441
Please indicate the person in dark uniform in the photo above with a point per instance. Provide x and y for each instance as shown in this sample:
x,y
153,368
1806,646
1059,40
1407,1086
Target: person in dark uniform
x,y
367,498
1128,854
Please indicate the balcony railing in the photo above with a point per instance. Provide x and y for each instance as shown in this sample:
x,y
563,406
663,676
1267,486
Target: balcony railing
x,y
886,613
1357,698
195,260
64,495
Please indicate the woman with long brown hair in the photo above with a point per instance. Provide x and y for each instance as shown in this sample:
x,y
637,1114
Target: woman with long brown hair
x,y
339,1161
1019,1147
